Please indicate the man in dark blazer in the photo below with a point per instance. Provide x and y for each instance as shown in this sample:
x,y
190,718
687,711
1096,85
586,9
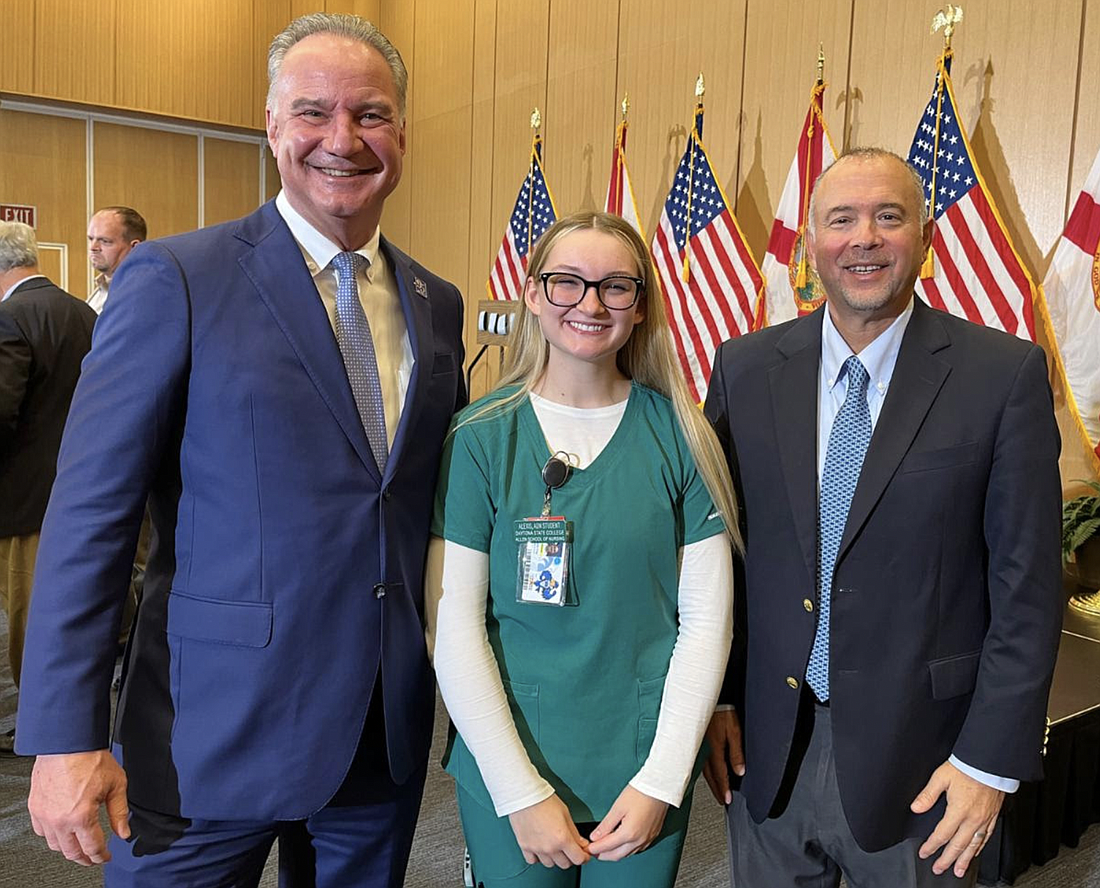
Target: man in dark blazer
x,y
895,647
44,335
279,388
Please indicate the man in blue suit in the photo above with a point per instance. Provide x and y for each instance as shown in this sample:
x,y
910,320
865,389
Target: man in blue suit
x,y
279,388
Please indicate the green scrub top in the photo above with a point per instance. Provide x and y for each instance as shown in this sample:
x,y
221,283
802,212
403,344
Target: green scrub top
x,y
584,681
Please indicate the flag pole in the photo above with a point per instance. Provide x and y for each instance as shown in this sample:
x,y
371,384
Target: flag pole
x,y
700,89
536,122
947,19
815,100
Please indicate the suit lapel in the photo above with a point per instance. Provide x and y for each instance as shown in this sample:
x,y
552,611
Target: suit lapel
x,y
793,385
417,308
917,379
276,268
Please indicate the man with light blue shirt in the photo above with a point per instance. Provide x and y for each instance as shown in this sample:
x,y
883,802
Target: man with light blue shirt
x,y
279,388
894,646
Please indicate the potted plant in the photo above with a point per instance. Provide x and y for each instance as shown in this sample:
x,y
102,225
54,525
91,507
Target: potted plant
x,y
1081,543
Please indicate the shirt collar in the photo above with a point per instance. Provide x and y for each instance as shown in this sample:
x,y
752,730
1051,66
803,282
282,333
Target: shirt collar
x,y
19,283
102,281
878,358
317,249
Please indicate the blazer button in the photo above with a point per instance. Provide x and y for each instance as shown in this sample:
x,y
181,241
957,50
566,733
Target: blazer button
x,y
380,590
809,605
792,682
386,494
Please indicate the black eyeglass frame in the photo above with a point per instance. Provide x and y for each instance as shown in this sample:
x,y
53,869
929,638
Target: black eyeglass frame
x,y
545,276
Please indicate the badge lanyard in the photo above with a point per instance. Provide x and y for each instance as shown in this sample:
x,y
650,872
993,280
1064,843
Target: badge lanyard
x,y
543,544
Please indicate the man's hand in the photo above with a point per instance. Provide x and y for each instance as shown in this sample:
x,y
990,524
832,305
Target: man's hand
x,y
966,826
631,825
546,834
66,792
724,736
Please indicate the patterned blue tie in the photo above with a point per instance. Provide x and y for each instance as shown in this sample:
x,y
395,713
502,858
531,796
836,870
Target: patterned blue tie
x,y
848,442
357,349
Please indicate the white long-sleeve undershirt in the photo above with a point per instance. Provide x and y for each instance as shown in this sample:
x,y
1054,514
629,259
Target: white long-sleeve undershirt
x,y
457,586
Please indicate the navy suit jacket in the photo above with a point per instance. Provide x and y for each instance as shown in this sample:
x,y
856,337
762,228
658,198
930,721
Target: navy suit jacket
x,y
285,571
946,599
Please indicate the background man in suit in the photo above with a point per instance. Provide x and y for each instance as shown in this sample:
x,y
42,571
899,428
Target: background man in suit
x,y
886,713
279,387
44,335
112,233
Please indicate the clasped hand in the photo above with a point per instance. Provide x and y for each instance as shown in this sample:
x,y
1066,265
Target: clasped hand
x,y
546,833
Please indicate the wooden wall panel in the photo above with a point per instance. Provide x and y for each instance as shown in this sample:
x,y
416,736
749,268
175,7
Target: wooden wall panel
x,y
397,19
50,262
662,49
17,56
164,192
441,187
42,163
231,179
269,17
271,177
193,60
995,73
1086,143
75,50
368,9
582,106
781,45
519,87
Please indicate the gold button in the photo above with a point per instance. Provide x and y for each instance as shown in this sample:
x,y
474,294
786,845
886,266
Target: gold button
x,y
792,682
809,605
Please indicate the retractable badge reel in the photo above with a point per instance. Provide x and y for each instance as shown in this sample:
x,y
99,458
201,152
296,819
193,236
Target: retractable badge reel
x,y
543,544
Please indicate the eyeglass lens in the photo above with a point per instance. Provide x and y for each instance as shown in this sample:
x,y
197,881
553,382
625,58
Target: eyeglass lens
x,y
563,289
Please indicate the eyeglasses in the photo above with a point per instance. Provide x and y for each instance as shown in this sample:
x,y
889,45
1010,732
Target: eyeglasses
x,y
565,290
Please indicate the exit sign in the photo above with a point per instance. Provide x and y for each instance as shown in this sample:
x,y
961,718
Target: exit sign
x,y
19,213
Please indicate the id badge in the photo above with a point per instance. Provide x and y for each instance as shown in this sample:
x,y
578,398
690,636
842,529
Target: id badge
x,y
543,545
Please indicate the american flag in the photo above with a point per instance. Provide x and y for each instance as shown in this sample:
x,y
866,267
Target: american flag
x,y
712,284
792,286
533,213
977,273
620,191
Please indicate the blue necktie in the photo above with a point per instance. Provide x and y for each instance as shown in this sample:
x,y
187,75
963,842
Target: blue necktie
x,y
357,349
848,440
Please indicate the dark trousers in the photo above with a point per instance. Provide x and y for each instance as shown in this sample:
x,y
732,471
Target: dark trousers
x,y
810,843
360,839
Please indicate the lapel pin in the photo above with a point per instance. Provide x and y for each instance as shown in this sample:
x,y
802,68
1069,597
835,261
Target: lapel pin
x,y
420,287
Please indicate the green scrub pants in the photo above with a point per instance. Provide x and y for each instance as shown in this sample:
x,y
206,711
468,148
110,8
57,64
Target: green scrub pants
x,y
497,861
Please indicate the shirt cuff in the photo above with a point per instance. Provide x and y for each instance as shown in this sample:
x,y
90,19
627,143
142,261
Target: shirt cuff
x,y
1004,784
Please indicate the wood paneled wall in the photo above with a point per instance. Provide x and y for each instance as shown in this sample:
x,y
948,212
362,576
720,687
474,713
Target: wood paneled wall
x,y
1024,72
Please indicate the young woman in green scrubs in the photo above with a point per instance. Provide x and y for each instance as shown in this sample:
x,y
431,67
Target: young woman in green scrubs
x,y
581,567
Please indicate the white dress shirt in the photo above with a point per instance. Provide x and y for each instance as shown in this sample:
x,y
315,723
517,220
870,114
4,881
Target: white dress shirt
x,y
98,297
878,360
380,301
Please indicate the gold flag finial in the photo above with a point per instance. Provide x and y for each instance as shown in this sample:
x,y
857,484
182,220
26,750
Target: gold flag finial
x,y
947,18
700,87
536,119
626,104
820,62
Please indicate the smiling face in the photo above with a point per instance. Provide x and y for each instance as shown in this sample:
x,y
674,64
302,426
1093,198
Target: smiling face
x,y
866,242
587,333
337,136
107,243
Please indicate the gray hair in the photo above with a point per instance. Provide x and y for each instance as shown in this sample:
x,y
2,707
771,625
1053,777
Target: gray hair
x,y
351,27
875,154
18,246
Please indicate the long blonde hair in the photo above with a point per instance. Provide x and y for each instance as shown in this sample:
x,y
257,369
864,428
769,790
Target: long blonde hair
x,y
647,358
